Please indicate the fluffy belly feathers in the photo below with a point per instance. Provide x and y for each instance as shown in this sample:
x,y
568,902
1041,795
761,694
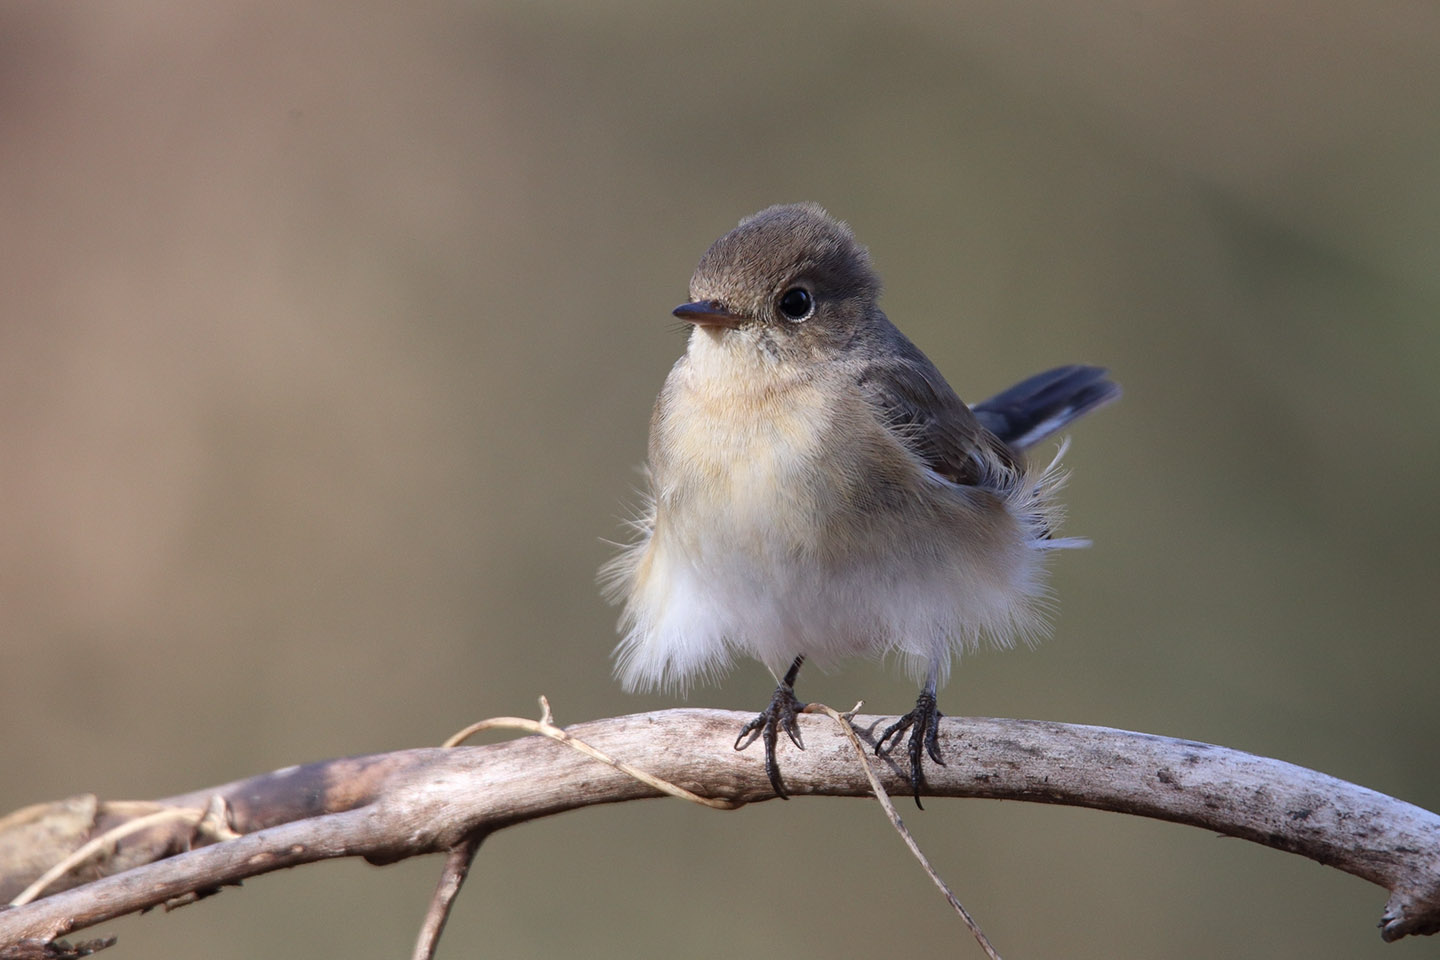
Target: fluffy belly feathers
x,y
782,552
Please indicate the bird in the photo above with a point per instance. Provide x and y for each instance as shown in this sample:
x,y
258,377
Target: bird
x,y
818,491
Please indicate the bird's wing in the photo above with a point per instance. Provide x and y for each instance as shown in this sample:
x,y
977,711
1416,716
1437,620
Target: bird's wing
x,y
914,399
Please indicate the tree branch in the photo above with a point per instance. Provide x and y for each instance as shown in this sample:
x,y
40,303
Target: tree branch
x,y
391,806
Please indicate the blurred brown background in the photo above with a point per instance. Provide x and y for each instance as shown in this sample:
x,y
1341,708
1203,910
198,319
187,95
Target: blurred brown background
x,y
330,333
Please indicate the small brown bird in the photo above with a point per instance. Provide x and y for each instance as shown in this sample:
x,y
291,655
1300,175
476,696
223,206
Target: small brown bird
x,y
817,490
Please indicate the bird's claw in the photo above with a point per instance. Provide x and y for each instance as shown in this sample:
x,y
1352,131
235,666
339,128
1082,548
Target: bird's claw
x,y
780,715
924,725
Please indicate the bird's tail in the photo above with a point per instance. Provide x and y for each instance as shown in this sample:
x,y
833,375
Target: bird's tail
x,y
1033,409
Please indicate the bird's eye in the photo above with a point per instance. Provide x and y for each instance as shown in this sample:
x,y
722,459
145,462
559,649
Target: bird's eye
x,y
797,304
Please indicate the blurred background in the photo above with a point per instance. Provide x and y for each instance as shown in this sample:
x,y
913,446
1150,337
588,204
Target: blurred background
x,y
329,340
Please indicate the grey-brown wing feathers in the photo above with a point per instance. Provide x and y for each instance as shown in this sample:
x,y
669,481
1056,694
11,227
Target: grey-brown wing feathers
x,y
917,402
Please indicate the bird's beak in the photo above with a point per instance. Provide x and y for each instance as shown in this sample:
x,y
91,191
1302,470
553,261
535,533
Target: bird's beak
x,y
708,313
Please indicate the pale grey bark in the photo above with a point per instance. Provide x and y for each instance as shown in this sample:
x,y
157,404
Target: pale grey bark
x,y
391,806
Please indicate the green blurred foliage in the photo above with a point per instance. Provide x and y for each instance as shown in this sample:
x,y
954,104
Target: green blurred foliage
x,y
329,340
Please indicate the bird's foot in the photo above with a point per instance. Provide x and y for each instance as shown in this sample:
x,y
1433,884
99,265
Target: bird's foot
x,y
780,715
924,725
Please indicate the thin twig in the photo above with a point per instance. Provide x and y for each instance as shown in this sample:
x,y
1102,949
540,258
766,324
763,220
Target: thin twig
x,y
843,719
545,727
452,878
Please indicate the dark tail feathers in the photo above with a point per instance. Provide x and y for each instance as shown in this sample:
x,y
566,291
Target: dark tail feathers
x,y
1035,408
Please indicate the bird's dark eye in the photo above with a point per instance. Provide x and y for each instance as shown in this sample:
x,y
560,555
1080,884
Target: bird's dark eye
x,y
797,304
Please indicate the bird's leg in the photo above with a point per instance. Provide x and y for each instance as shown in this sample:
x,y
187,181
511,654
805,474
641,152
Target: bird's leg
x,y
780,715
924,725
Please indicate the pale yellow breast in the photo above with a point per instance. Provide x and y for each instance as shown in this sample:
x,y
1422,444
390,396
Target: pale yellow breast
x,y
736,456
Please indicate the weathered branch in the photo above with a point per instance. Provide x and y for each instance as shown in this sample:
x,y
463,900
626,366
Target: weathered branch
x,y
392,806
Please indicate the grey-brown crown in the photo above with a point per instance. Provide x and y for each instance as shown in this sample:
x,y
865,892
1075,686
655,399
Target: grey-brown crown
x,y
750,267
